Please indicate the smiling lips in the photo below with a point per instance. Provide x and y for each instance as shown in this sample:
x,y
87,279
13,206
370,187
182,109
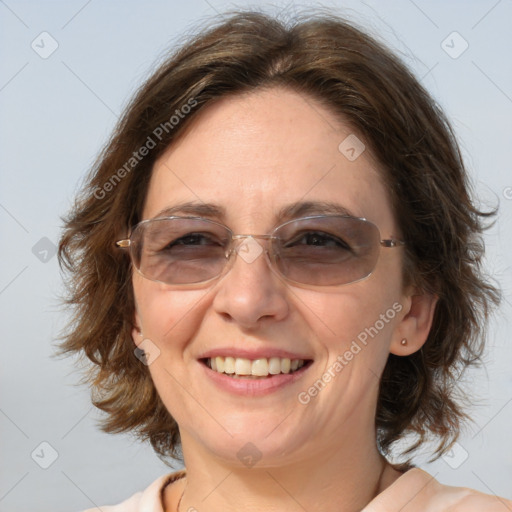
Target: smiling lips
x,y
246,368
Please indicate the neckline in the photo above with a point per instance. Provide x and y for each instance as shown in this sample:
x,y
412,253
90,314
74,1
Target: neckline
x,y
171,478
174,499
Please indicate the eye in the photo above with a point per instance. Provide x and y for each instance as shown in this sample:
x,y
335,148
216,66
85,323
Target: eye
x,y
195,239
319,239
197,244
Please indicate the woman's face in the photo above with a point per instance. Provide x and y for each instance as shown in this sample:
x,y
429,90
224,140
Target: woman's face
x,y
251,156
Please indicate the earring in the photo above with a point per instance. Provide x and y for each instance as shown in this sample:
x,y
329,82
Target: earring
x,y
404,342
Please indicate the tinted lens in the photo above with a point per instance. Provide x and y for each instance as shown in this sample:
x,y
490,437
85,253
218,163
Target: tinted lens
x,y
179,251
321,251
327,250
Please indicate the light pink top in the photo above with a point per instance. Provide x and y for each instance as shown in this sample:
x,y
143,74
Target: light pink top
x,y
414,491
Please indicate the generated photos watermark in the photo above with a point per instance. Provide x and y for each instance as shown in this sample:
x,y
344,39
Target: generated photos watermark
x,y
147,352
151,142
343,360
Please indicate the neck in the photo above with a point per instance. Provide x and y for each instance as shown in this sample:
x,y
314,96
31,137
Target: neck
x,y
345,479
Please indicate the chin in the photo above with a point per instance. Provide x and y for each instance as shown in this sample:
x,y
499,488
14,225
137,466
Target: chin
x,y
257,442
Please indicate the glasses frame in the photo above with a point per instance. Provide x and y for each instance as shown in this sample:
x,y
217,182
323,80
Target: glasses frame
x,y
126,243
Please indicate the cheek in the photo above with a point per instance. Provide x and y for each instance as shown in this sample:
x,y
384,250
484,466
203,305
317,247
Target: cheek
x,y
169,317
357,324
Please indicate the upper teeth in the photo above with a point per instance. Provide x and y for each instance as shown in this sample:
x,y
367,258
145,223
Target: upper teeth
x,y
259,367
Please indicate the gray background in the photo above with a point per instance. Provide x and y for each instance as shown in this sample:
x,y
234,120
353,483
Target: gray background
x,y
56,113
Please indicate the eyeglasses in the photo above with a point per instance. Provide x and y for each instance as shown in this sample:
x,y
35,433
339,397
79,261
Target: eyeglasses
x,y
321,250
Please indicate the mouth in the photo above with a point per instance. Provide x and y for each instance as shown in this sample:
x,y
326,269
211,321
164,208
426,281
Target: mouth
x,y
261,368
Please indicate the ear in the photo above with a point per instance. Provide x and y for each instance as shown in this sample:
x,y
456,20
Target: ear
x,y
414,327
137,335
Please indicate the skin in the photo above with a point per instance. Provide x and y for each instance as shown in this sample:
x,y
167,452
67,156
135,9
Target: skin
x,y
253,154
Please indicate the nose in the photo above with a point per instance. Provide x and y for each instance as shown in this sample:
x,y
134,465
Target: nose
x,y
250,292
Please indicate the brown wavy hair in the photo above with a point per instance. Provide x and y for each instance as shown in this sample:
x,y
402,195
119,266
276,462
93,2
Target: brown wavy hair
x,y
326,58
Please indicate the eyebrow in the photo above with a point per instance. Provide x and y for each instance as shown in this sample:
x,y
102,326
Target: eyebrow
x,y
304,208
288,212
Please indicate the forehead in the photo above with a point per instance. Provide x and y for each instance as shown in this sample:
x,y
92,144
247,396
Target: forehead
x,y
255,154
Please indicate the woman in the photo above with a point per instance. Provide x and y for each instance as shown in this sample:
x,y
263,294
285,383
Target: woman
x,y
275,270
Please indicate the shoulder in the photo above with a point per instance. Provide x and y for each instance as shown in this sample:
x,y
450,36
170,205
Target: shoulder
x,y
149,500
477,501
418,491
462,499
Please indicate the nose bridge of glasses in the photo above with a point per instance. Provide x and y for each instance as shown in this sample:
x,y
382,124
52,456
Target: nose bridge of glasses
x,y
240,237
247,247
